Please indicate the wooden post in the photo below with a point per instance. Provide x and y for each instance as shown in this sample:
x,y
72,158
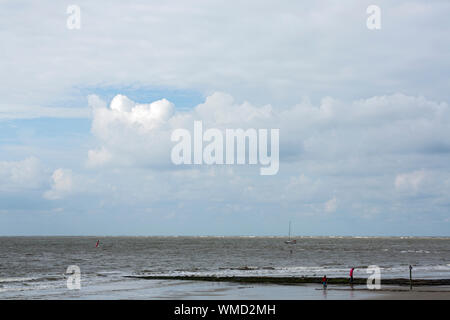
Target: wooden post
x,y
410,277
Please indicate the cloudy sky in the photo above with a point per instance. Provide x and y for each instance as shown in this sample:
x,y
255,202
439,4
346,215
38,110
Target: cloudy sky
x,y
86,116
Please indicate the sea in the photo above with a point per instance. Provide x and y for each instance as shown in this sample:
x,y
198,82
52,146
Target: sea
x,y
37,267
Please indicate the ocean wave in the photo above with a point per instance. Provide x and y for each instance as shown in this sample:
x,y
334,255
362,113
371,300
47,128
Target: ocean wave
x,y
415,251
17,279
25,280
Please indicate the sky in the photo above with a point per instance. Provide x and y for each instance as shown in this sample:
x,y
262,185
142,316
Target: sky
x,y
86,117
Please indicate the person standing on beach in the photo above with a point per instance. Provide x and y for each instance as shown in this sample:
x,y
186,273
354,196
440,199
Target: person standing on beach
x,y
351,275
324,282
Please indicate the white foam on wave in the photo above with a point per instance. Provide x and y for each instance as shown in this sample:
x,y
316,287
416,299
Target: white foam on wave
x,y
17,279
415,251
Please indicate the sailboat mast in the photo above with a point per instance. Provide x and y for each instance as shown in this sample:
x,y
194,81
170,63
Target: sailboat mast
x,y
289,230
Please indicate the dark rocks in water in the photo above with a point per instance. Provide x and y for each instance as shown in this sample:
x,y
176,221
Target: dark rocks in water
x,y
299,280
244,268
247,268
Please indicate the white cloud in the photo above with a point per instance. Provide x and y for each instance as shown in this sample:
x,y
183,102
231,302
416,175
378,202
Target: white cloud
x,y
331,205
353,147
129,131
126,115
411,181
19,175
396,124
61,184
98,157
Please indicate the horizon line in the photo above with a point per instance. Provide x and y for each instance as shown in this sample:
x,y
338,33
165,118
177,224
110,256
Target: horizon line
x,y
230,236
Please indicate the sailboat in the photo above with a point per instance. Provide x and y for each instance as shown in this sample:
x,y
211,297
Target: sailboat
x,y
290,241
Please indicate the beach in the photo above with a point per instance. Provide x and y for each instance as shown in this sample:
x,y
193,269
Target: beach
x,y
428,293
195,290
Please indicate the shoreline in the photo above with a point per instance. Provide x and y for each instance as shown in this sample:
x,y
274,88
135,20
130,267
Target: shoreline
x,y
298,280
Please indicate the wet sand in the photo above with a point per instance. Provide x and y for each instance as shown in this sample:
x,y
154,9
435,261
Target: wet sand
x,y
308,288
212,290
424,293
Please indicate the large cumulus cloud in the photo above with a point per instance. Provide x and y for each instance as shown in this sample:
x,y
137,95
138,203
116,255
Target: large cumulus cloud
x,y
368,158
331,131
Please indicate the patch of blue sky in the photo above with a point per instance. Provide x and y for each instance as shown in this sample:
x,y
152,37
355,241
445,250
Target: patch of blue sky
x,y
48,128
183,99
51,140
